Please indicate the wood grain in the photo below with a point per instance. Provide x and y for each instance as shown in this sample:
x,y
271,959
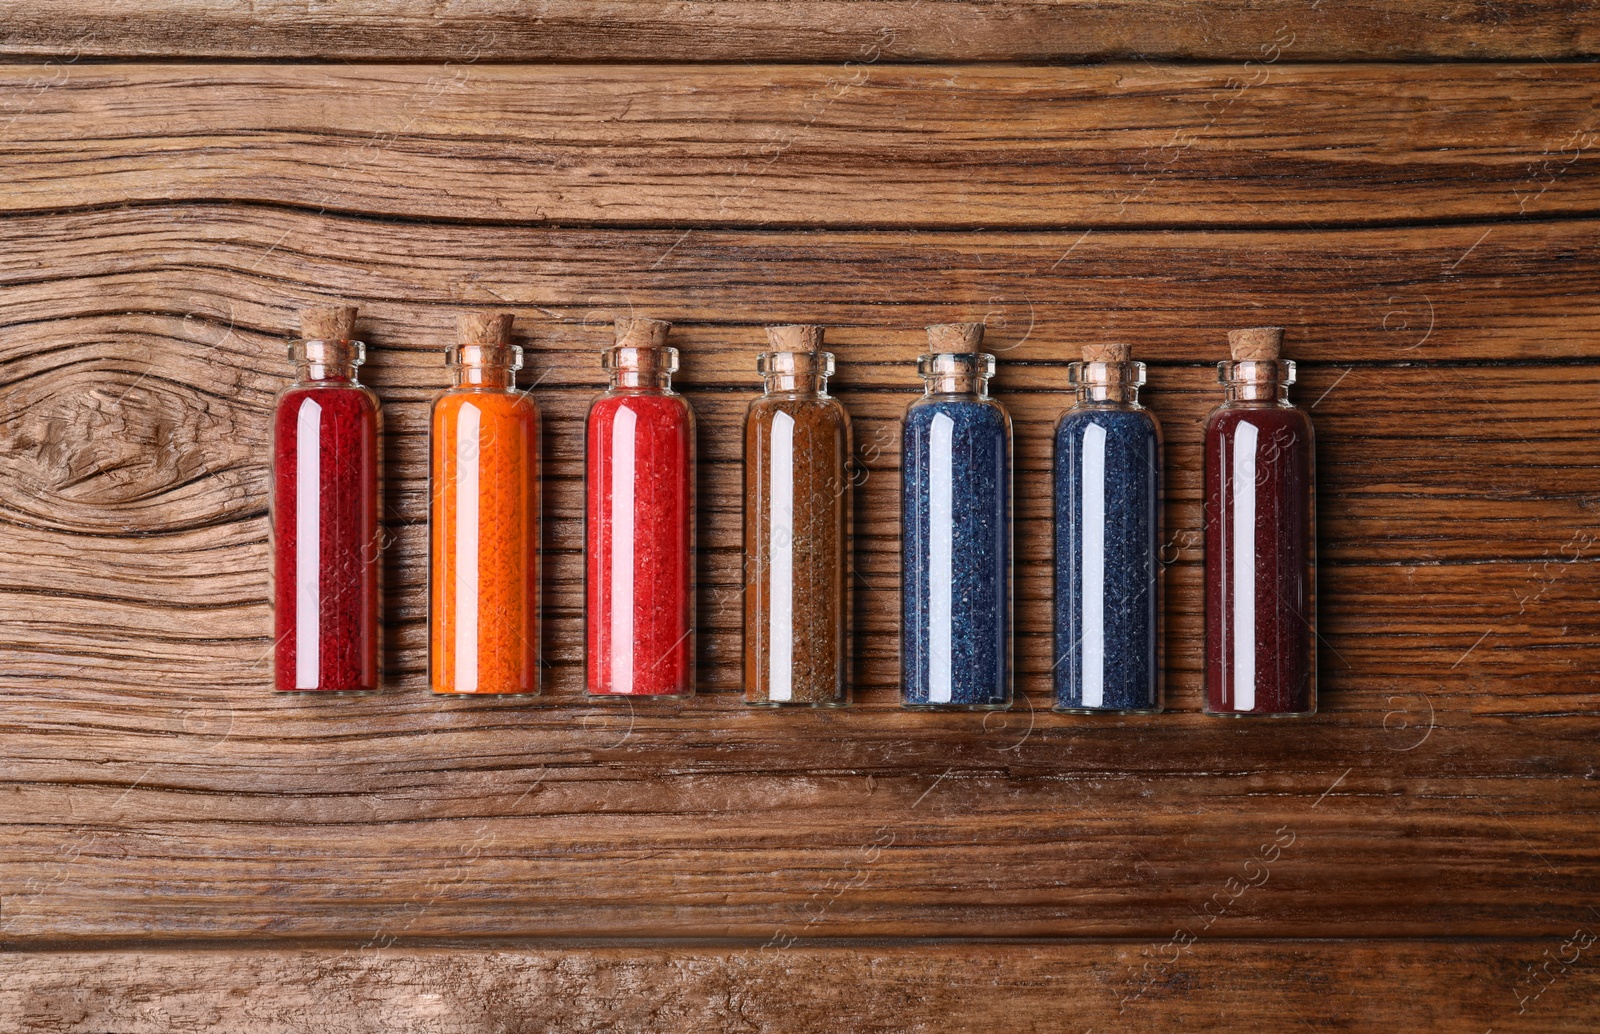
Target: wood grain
x,y
1121,145
1451,679
1459,636
1447,472
815,30
887,990
409,819
1519,291
1428,232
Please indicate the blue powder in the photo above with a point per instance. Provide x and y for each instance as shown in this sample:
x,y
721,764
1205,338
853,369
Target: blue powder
x,y
956,554
1107,656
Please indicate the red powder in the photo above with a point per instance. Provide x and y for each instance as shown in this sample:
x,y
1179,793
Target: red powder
x,y
640,557
325,599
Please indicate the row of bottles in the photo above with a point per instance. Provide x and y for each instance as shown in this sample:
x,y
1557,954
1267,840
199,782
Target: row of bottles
x,y
956,550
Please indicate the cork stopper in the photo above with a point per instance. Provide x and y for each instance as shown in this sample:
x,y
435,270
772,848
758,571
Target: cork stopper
x,y
640,357
955,337
328,323
1107,373
795,337
641,333
1256,344
1107,353
484,353
484,328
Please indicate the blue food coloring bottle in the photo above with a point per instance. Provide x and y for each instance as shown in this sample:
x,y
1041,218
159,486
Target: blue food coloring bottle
x,y
955,647
1108,532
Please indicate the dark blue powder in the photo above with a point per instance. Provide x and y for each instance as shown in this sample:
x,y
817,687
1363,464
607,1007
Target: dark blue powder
x,y
1127,489
956,509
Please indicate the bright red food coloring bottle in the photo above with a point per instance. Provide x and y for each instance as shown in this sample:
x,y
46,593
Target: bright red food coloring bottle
x,y
324,514
639,531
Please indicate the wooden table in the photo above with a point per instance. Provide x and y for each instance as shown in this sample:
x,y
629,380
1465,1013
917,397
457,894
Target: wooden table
x,y
1414,193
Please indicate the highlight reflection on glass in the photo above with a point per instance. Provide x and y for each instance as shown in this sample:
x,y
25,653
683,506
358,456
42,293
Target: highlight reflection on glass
x,y
780,624
308,543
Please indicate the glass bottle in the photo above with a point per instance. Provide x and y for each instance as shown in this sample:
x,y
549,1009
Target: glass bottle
x,y
796,528
956,542
324,514
1108,528
639,531
1260,520
483,611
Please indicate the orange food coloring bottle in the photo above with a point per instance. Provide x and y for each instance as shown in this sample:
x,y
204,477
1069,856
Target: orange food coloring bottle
x,y
483,613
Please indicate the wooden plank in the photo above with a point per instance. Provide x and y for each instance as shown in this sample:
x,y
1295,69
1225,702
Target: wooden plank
x,y
817,30
234,275
1211,985
483,820
1120,145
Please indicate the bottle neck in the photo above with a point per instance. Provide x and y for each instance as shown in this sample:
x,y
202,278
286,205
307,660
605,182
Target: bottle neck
x,y
640,369
641,380
485,367
1264,382
326,362
956,373
795,373
332,373
1099,383
483,377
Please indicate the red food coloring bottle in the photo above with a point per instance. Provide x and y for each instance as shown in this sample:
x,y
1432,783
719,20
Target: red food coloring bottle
x,y
1260,521
639,527
324,515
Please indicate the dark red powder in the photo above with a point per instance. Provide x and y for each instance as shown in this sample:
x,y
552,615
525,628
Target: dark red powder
x,y
640,643
325,600
1282,570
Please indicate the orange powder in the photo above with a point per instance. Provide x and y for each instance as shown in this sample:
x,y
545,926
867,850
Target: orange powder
x,y
484,597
